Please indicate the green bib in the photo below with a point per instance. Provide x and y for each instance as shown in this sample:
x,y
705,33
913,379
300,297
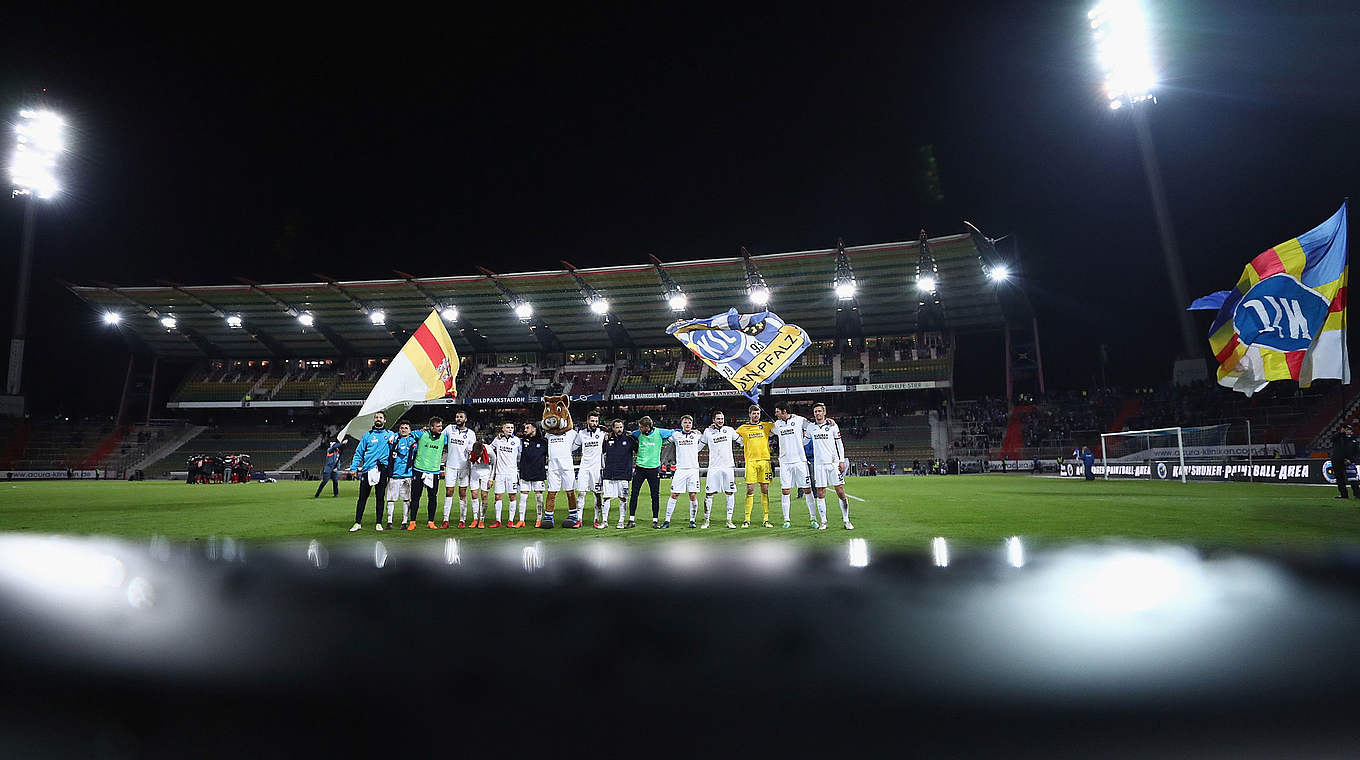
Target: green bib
x,y
649,449
429,452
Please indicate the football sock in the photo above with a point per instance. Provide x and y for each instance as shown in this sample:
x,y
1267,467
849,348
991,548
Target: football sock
x,y
604,511
670,507
821,510
750,505
812,506
476,509
784,505
498,510
523,505
448,507
693,507
708,506
845,510
731,505
765,506
391,507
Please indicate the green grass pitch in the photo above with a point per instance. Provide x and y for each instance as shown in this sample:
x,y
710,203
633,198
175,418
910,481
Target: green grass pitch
x,y
901,513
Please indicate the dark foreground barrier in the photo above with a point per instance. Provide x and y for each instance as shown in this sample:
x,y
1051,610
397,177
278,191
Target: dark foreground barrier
x,y
112,649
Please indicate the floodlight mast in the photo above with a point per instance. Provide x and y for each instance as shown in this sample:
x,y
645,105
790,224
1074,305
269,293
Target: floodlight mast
x,y
39,139
1123,51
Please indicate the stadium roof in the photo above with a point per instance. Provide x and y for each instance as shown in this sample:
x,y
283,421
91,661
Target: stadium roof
x,y
800,285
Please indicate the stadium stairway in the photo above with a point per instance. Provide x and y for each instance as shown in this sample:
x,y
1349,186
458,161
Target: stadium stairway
x,y
1319,428
1015,432
105,448
308,449
1129,410
170,447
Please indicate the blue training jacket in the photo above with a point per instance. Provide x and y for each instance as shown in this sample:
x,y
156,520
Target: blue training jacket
x,y
374,448
403,455
333,456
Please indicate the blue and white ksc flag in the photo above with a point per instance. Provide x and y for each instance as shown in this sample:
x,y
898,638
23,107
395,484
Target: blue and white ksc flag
x,y
747,349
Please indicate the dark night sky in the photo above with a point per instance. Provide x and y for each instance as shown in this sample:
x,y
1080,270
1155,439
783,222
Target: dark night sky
x,y
273,146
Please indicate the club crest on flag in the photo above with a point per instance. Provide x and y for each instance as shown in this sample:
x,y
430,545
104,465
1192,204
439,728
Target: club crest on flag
x,y
1286,318
746,349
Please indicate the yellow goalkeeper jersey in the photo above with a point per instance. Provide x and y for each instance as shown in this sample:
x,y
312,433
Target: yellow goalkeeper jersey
x,y
757,440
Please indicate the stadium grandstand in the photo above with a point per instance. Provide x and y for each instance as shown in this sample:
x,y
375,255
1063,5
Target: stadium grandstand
x,y
273,369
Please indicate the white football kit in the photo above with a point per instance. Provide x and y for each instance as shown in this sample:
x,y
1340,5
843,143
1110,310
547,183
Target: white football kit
x,y
687,445
561,471
506,452
721,473
458,446
793,463
592,462
827,454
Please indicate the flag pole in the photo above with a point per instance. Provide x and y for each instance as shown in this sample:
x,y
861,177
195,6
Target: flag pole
x,y
1345,332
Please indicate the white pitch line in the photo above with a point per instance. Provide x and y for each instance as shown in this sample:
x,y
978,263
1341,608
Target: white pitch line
x,y
852,496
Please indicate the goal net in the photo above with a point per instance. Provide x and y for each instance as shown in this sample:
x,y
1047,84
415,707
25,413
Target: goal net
x,y
1140,448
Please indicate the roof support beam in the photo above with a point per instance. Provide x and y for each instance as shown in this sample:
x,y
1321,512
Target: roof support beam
x,y
399,336
618,336
332,337
205,346
470,334
258,334
547,340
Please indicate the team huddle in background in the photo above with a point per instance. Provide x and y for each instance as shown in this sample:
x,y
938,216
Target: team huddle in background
x,y
498,475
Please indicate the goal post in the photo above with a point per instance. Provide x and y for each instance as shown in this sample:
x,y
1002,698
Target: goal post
x,y
1131,443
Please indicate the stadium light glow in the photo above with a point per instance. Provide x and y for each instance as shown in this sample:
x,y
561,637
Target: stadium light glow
x,y
677,301
939,550
599,306
1015,552
845,290
39,137
859,553
307,320
524,311
925,284
112,317
998,273
760,295
234,321
377,316
1123,51
169,322
450,314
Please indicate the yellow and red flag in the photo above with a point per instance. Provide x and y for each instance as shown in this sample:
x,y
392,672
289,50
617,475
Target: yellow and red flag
x,y
1286,319
424,370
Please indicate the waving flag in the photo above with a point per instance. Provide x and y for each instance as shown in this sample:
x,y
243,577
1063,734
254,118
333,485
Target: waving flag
x,y
1286,318
423,371
747,349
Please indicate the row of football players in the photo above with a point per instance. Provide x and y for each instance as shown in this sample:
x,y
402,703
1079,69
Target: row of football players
x,y
614,463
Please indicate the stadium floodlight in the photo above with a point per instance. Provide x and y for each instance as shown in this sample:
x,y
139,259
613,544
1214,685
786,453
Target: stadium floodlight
x,y
40,136
168,321
234,321
844,284
677,301
524,310
112,317
599,306
450,313
1122,50
925,284
859,552
307,320
760,295
377,316
998,273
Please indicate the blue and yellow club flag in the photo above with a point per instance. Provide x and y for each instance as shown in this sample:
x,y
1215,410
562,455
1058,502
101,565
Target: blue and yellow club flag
x,y
1286,318
747,349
